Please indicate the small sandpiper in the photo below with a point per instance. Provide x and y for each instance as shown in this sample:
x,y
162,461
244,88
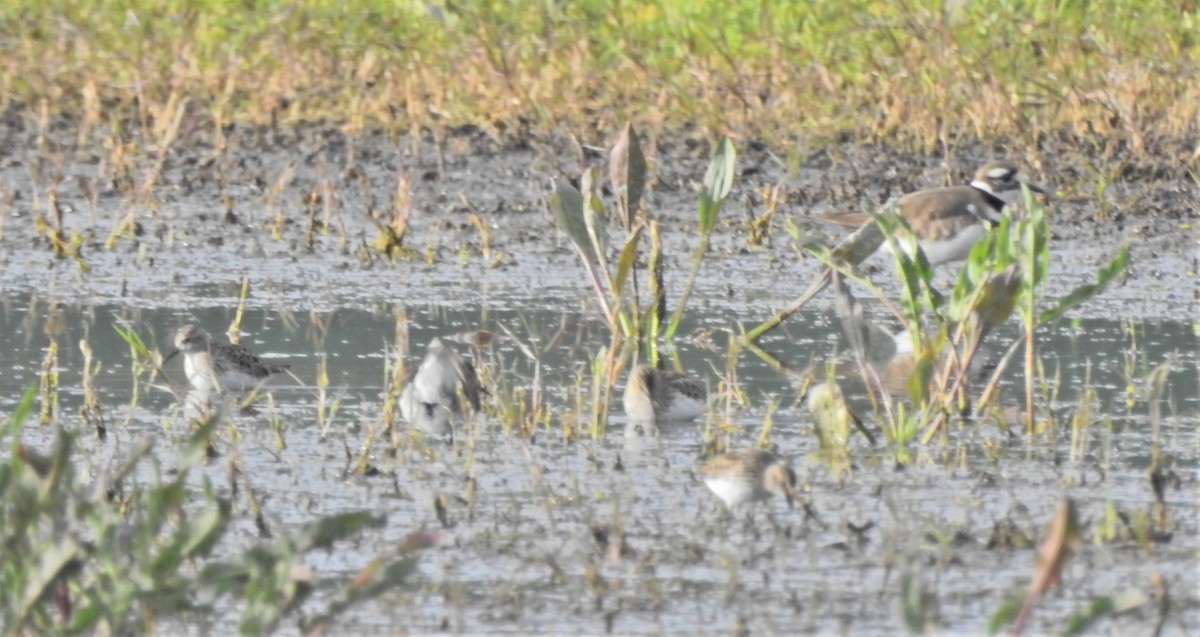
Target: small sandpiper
x,y
655,396
947,222
431,398
749,475
212,365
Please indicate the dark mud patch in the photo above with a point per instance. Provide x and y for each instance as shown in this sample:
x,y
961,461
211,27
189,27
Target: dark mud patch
x,y
295,209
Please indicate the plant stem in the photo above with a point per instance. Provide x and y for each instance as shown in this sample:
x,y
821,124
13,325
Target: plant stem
x,y
687,288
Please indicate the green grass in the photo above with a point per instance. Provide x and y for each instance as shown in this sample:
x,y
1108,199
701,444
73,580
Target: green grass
x,y
921,71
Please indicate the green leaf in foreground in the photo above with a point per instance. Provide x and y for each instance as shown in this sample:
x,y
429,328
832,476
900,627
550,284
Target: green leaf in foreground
x,y
627,172
1004,615
325,531
718,181
567,204
1085,292
625,262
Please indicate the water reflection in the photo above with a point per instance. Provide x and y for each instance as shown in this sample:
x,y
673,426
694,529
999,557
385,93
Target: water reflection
x,y
356,350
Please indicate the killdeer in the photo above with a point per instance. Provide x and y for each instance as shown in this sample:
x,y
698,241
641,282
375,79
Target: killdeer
x,y
948,222
431,398
653,396
749,475
213,365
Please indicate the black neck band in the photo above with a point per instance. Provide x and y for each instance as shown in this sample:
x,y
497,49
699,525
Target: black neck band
x,y
994,202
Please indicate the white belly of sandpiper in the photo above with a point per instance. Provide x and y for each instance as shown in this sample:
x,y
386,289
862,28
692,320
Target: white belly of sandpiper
x,y
733,491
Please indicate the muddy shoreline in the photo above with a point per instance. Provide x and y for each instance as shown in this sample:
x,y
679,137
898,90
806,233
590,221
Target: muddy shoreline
x,y
573,535
212,218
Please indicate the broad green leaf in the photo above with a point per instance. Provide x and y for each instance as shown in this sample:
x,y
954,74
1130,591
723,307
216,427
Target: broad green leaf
x,y
1086,292
627,172
1082,620
831,415
325,531
709,208
53,560
625,262
922,373
21,413
196,449
996,299
204,531
914,604
718,181
567,204
597,228
1004,615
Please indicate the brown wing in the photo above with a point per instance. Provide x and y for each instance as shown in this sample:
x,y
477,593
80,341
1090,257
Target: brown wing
x,y
686,385
245,359
469,381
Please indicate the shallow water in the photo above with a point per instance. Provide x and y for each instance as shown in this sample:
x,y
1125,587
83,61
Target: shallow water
x,y
524,556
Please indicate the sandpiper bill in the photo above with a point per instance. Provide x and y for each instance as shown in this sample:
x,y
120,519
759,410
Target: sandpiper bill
x,y
214,365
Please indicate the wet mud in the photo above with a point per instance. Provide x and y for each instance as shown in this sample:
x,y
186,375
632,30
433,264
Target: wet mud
x,y
616,535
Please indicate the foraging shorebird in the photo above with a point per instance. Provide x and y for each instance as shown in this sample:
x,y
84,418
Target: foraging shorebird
x,y
431,398
653,396
749,475
213,365
947,222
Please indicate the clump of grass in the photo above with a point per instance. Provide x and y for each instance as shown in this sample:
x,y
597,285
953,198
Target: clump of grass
x,y
131,549
1113,74
1004,275
92,410
582,216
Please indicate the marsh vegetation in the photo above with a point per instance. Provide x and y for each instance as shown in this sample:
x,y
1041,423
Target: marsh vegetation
x,y
559,191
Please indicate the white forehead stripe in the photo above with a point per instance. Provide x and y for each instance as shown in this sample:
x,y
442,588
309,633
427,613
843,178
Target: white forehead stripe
x,y
999,173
